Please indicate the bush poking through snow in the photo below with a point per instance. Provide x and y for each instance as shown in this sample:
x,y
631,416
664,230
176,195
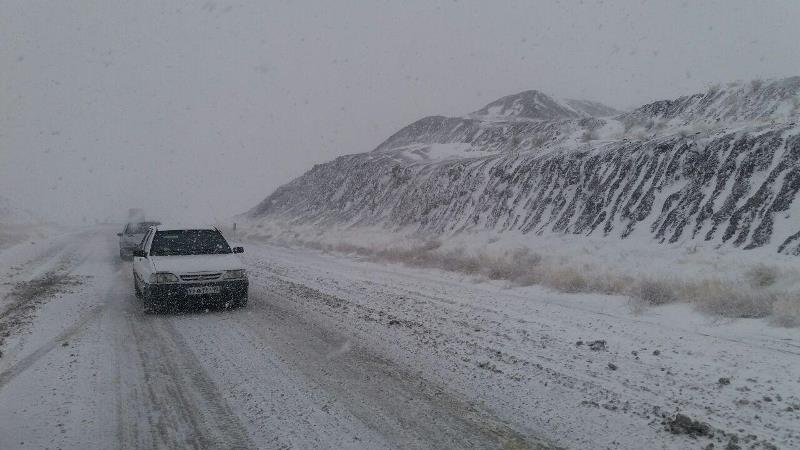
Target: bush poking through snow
x,y
683,424
761,276
655,292
598,345
732,301
567,280
519,266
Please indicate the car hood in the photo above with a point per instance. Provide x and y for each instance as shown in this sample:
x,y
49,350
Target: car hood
x,y
197,263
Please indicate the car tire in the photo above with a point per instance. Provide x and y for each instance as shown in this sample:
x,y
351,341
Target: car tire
x,y
136,290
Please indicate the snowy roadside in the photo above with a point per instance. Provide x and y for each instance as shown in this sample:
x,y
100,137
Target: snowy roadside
x,y
13,235
579,369
32,252
18,225
724,282
34,271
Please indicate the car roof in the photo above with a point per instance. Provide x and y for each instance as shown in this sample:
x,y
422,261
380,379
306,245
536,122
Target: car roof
x,y
178,227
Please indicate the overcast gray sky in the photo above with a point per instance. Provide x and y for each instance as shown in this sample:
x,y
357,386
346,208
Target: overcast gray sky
x,y
198,110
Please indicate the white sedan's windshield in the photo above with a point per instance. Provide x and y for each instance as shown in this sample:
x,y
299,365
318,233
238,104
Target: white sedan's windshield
x,y
189,242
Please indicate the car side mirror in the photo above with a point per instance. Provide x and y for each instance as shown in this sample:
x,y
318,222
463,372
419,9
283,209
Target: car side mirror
x,y
119,234
138,253
238,249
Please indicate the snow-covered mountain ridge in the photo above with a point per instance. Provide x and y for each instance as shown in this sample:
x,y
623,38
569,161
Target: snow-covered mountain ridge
x,y
722,166
535,105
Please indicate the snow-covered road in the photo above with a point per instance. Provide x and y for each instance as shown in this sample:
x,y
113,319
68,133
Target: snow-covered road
x,y
333,352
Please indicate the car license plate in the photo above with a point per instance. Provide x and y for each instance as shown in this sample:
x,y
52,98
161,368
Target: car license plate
x,y
200,290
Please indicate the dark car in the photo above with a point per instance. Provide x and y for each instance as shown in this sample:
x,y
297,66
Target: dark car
x,y
131,238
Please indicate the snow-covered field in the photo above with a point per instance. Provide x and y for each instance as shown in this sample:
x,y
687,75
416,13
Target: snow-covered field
x,y
339,352
18,224
721,281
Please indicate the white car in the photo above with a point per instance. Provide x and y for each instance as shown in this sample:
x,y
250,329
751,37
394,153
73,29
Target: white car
x,y
188,266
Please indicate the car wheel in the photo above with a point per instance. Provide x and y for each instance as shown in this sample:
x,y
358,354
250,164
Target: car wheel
x,y
136,289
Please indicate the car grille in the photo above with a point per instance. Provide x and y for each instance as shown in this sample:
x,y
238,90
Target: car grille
x,y
206,276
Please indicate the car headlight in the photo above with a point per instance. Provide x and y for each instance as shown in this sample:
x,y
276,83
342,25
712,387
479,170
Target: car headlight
x,y
163,277
233,274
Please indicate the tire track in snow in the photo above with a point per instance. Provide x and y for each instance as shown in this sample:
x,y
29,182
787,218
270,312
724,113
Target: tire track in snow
x,y
31,359
62,262
407,409
181,405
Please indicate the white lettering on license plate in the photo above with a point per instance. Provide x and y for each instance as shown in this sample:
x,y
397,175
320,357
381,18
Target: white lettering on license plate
x,y
200,290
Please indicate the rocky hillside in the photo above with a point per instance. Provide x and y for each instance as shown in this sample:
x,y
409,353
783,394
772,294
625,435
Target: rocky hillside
x,y
534,105
720,166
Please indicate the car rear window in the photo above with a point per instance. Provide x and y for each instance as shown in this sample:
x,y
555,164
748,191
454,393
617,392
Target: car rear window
x,y
189,242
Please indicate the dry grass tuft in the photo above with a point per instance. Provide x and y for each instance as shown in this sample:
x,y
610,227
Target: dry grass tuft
x,y
729,300
655,292
761,276
566,279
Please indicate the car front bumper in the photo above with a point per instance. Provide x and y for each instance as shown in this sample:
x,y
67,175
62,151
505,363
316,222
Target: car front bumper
x,y
175,294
